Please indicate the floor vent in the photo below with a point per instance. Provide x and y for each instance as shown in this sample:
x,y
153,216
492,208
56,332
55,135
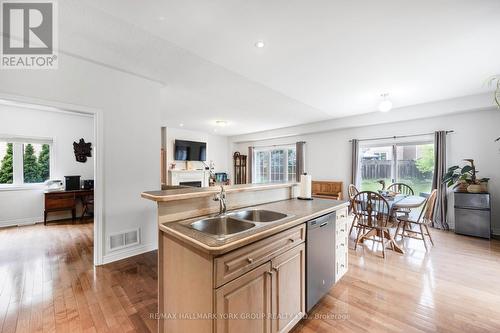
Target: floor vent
x,y
123,239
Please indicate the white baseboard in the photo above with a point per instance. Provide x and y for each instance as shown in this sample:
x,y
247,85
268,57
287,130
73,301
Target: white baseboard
x,y
21,222
128,252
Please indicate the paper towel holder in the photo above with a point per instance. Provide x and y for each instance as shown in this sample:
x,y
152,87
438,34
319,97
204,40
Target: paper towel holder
x,y
304,198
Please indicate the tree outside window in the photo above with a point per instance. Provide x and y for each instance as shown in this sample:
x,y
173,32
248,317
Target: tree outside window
x,y
7,161
33,161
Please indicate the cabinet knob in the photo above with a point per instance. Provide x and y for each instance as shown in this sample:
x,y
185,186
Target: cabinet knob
x,y
291,240
250,260
342,230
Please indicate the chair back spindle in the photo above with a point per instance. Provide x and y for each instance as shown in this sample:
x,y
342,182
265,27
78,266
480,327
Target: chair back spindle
x,y
401,188
371,209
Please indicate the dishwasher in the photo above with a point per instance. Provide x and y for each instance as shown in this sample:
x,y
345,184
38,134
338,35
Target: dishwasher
x,y
320,258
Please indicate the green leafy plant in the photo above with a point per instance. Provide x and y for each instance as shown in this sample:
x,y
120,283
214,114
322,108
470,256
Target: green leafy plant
x,y
425,164
494,81
463,176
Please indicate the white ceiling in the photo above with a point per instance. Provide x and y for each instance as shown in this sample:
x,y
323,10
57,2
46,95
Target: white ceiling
x,y
322,59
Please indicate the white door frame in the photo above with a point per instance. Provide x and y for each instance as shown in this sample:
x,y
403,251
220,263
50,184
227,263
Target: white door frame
x,y
97,150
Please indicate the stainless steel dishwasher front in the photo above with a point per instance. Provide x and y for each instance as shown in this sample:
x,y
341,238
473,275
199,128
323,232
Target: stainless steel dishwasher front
x,y
320,258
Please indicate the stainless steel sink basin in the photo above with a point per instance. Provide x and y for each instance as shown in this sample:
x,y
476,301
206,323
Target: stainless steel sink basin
x,y
260,215
221,226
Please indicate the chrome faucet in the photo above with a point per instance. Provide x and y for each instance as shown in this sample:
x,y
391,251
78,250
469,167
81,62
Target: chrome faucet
x,y
221,198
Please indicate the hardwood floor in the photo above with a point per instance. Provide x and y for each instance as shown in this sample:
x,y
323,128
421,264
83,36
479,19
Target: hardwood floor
x,y
452,288
48,284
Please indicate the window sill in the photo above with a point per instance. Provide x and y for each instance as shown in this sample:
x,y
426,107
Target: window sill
x,y
23,187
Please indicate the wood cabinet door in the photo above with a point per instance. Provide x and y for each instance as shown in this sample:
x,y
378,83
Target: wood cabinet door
x,y
244,305
289,275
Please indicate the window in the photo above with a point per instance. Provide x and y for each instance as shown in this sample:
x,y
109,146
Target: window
x,y
409,163
6,162
274,165
24,161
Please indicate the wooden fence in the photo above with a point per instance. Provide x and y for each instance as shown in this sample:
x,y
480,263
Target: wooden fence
x,y
377,169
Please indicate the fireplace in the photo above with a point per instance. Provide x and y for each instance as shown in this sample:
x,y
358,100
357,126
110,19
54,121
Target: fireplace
x,y
191,184
193,178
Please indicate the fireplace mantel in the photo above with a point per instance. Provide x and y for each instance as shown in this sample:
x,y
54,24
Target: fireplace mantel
x,y
176,177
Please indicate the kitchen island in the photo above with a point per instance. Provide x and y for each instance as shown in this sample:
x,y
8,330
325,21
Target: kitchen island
x,y
244,270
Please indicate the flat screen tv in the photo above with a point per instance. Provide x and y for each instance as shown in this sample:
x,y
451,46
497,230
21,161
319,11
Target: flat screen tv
x,y
190,150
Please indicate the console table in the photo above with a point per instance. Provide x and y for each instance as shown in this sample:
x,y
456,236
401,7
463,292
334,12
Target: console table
x,y
63,200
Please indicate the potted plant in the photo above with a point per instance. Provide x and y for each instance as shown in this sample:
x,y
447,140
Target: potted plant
x,y
465,178
495,82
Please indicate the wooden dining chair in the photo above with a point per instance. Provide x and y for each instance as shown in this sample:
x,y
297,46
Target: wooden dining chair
x,y
424,219
351,192
87,203
401,188
373,219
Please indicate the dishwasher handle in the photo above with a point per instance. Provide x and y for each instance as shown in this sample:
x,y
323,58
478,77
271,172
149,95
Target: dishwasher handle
x,y
323,224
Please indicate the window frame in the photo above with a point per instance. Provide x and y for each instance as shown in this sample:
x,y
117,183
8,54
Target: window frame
x,y
18,143
394,158
269,151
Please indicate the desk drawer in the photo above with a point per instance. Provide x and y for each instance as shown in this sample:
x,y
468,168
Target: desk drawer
x,y
238,262
59,201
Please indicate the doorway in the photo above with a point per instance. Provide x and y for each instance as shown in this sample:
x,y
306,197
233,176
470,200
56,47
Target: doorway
x,y
38,142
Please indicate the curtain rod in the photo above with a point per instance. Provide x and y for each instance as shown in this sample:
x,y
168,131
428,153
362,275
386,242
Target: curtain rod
x,y
401,136
280,145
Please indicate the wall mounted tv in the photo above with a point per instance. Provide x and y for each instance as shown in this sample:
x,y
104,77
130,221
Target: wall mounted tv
x,y
190,151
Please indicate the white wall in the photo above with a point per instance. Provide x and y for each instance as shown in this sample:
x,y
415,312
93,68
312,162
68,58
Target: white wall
x,y
131,136
217,148
63,128
328,154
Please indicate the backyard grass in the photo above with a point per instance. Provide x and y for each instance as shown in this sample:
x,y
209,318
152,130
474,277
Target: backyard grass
x,y
418,185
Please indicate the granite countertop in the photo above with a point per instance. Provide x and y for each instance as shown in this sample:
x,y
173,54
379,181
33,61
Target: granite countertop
x,y
300,211
198,192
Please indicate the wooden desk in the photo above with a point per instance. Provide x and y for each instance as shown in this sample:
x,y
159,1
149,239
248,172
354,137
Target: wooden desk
x,y
63,200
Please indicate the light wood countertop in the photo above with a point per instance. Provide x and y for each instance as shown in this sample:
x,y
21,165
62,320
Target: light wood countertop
x,y
300,211
199,192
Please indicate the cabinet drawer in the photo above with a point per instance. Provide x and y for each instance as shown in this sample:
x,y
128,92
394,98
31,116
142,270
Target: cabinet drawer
x,y
342,214
238,262
341,225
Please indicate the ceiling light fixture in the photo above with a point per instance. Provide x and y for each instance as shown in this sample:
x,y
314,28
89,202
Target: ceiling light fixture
x,y
385,105
260,44
181,125
221,123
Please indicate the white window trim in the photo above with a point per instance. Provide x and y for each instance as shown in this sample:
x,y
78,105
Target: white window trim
x,y
17,162
268,150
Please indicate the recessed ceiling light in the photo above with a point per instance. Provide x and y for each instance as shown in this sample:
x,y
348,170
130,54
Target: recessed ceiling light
x,y
385,105
260,44
161,18
181,125
221,123
215,129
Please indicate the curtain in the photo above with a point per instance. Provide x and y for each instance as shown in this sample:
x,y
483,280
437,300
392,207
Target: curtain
x,y
300,153
250,165
355,161
439,220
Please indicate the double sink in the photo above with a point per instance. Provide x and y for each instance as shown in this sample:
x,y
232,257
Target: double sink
x,y
225,225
